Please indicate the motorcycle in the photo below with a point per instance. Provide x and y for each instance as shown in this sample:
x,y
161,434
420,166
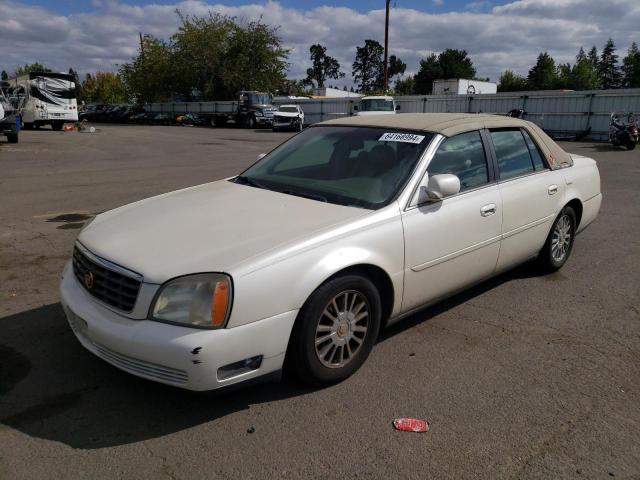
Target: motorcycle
x,y
623,130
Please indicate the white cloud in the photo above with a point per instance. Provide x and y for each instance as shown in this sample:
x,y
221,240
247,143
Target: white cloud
x,y
508,36
437,3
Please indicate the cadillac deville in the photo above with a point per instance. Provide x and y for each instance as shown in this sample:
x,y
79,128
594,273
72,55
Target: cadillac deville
x,y
301,259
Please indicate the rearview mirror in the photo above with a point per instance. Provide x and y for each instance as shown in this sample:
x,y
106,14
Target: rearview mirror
x,y
261,156
441,186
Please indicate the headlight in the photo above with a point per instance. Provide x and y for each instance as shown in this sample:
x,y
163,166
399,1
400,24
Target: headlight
x,y
201,301
258,113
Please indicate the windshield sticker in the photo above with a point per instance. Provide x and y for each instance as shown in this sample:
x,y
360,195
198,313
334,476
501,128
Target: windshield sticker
x,y
401,137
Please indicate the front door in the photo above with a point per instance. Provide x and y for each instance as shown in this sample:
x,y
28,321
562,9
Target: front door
x,y
454,242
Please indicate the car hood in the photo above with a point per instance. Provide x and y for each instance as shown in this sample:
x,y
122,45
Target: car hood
x,y
286,114
210,227
375,112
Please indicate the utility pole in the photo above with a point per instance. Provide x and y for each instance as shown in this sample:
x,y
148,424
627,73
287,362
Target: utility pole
x,y
386,48
141,44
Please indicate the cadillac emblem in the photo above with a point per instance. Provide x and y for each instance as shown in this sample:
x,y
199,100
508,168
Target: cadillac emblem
x,y
88,280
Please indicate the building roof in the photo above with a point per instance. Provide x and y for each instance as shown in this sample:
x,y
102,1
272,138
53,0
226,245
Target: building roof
x,y
449,124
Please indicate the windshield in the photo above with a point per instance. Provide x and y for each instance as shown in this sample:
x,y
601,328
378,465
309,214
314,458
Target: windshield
x,y
259,98
288,109
377,105
355,166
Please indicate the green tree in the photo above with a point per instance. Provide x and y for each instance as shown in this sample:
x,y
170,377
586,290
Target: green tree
x,y
4,75
608,66
631,67
150,77
405,86
104,87
593,57
543,74
456,64
77,90
323,67
564,78
367,69
396,67
429,71
512,82
584,76
31,67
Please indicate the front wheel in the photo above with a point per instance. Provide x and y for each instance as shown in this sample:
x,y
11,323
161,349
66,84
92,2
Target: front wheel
x,y
251,122
631,144
335,330
559,243
12,137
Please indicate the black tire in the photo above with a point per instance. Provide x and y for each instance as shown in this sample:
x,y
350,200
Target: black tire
x,y
251,122
302,358
57,126
27,126
548,258
12,137
275,129
631,144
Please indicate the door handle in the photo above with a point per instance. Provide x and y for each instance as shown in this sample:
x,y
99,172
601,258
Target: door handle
x,y
487,210
553,189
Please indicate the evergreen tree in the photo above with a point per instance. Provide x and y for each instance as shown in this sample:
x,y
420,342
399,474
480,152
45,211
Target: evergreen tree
x,y
429,71
584,76
368,67
593,57
631,67
4,75
511,82
543,74
608,66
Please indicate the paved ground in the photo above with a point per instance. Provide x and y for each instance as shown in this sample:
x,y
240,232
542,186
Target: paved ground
x,y
525,376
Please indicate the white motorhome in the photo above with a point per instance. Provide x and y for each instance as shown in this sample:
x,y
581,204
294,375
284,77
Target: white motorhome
x,y
50,99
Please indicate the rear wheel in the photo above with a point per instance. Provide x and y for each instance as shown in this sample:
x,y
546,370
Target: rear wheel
x,y
12,137
251,122
631,144
559,243
335,330
57,126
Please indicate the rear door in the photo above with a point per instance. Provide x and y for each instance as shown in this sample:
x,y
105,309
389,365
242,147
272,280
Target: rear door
x,y
532,194
454,242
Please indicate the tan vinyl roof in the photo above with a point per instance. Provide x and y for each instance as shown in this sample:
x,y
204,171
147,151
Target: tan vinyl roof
x,y
449,124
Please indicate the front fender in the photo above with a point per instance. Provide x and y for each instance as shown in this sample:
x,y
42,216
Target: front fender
x,y
285,283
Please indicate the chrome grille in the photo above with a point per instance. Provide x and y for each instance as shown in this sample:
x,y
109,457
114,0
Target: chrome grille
x,y
108,286
142,368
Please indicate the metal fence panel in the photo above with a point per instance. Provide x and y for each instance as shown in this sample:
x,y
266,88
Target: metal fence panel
x,y
555,111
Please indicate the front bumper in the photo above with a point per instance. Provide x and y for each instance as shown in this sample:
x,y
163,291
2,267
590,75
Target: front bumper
x,y
264,120
180,356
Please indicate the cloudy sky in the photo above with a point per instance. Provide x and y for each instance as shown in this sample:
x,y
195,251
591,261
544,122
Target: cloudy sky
x,y
91,35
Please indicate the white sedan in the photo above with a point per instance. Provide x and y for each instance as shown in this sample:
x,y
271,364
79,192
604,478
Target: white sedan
x,y
288,117
300,260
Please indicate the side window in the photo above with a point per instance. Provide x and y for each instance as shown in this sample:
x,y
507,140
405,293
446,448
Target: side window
x,y
512,152
536,156
463,156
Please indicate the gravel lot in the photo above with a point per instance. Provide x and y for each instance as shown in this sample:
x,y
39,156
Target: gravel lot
x,y
525,376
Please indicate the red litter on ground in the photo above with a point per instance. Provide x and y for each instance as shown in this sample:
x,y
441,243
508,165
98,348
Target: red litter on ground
x,y
411,425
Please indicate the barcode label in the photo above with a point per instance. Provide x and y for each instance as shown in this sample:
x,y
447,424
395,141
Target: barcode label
x,y
401,137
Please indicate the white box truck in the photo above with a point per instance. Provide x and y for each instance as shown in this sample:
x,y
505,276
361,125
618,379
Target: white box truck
x,y
461,86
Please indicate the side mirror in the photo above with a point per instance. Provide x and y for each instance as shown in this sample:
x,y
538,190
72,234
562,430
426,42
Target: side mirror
x,y
397,107
355,108
261,156
441,186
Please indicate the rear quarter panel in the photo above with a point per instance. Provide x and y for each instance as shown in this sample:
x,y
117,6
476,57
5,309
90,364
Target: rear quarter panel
x,y
583,183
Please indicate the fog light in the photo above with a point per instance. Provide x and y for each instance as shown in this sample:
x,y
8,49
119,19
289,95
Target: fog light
x,y
238,368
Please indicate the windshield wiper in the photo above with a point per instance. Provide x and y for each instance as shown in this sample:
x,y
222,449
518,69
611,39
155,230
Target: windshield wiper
x,y
311,196
249,181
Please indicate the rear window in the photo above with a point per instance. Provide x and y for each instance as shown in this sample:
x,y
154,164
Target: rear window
x,y
512,152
